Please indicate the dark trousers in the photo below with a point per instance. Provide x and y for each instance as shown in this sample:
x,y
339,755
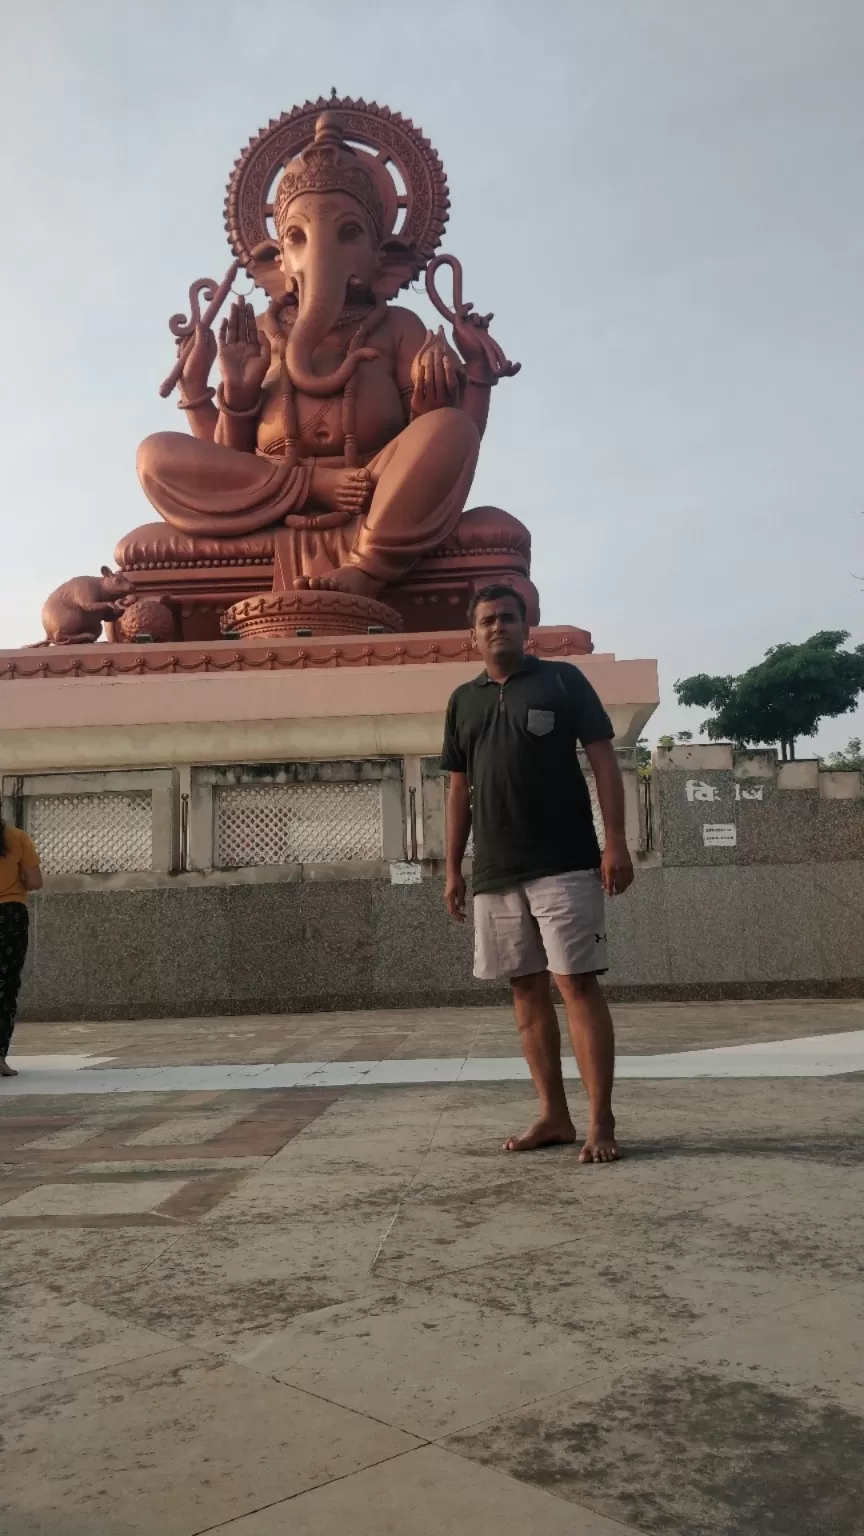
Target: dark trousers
x,y
14,932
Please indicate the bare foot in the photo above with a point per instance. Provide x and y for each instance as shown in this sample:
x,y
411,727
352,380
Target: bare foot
x,y
546,1133
346,578
600,1144
5,1069
340,490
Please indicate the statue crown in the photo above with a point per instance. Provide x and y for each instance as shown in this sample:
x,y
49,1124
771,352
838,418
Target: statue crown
x,y
328,165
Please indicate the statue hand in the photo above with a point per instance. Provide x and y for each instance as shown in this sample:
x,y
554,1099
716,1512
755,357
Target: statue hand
x,y
244,357
197,363
438,375
485,359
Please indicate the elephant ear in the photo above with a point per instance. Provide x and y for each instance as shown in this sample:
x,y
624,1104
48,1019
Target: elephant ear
x,y
398,266
265,269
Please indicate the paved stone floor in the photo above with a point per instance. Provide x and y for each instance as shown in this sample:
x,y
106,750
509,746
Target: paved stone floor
x,y
343,1310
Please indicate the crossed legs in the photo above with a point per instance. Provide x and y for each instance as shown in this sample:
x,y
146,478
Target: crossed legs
x,y
593,1042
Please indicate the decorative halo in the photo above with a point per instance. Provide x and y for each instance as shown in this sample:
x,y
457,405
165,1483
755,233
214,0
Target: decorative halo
x,y
419,186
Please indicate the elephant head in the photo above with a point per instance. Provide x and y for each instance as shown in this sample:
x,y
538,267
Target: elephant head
x,y
330,216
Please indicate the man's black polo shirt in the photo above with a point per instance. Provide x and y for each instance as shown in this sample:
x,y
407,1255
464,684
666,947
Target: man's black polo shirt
x,y
516,741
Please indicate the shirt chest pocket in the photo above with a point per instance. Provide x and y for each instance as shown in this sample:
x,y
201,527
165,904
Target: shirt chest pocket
x,y
540,722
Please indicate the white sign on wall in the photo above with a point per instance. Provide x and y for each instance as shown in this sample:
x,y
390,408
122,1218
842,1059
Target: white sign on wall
x,y
406,874
719,834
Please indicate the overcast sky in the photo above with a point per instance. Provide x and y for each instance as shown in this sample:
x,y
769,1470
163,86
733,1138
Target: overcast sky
x,y
661,200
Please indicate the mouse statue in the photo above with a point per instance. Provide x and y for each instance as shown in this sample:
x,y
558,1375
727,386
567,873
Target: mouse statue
x,y
75,612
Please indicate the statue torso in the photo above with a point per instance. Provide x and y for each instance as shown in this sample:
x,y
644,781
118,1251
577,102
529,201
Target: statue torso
x,y
380,412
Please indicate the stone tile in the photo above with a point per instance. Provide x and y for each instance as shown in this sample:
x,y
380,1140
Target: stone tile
x,y
111,1198
427,1366
216,1294
811,1232
76,1135
232,1283
65,1260
185,1130
815,1348
47,1339
178,1164
451,1230
641,1027
647,1028
426,1493
676,1450
177,1444
584,1288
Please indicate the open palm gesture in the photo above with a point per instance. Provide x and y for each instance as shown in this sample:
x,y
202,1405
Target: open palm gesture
x,y
244,357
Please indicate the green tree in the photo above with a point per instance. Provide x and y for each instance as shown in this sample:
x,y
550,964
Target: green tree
x,y
851,757
783,697
642,755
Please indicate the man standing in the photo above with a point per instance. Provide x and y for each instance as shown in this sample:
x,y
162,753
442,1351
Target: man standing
x,y
539,878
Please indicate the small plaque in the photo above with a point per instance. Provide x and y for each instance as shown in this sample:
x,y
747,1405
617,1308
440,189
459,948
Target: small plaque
x,y
406,874
719,834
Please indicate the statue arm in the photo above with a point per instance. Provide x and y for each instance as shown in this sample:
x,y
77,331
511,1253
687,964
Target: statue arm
x,y
196,398
475,403
410,341
245,355
472,397
236,431
202,419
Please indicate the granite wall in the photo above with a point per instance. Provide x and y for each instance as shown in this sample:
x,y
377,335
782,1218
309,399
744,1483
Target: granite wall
x,y
770,905
706,931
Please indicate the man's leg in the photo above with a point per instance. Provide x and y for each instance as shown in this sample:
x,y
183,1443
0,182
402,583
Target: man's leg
x,y
541,1045
593,1040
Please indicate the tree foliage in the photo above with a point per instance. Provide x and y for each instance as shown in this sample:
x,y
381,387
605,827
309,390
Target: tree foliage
x,y
850,757
783,697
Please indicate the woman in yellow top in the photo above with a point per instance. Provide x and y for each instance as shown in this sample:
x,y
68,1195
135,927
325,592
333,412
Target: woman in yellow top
x,y
19,873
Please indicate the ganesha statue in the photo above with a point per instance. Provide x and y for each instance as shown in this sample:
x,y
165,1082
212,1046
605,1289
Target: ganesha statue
x,y
335,451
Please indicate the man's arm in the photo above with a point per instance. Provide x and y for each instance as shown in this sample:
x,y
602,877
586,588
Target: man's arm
x,y
458,830
616,866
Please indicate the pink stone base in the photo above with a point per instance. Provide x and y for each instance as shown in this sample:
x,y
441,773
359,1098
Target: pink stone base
x,y
278,615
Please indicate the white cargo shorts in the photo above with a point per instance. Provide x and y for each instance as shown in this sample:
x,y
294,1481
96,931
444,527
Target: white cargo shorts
x,y
554,924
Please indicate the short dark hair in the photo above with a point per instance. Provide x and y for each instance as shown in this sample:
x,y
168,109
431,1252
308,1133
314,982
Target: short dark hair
x,y
490,594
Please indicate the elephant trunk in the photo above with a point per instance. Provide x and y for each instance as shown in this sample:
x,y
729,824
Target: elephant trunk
x,y
321,301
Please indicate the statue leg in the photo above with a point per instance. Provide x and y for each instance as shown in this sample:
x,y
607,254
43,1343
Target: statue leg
x,y
421,483
204,488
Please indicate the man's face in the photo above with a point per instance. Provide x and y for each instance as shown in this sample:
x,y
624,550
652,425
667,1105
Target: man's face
x,y
500,632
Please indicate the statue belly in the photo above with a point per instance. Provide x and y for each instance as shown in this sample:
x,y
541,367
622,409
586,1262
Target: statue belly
x,y
379,415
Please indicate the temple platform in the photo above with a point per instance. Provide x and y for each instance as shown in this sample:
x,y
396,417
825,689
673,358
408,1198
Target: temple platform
x,y
134,706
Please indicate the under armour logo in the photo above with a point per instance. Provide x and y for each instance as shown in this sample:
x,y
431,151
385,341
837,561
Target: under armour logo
x,y
599,938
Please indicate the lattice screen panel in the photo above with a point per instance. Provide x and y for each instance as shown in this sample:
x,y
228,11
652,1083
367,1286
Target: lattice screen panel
x,y
92,834
297,824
